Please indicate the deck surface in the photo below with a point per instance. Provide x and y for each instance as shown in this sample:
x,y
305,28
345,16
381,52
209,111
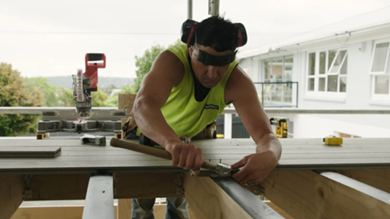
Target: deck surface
x,y
297,154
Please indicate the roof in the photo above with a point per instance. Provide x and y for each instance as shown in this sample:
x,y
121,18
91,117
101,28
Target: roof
x,y
360,22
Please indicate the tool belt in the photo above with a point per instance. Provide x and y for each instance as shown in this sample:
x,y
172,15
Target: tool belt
x,y
207,133
129,129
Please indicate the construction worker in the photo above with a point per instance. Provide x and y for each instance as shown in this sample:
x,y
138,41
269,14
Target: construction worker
x,y
184,92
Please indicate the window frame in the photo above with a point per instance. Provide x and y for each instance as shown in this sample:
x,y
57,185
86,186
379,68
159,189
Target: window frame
x,y
373,74
317,75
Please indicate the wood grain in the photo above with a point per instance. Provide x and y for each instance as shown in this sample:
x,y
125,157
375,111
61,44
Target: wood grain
x,y
378,178
306,194
11,194
208,200
297,154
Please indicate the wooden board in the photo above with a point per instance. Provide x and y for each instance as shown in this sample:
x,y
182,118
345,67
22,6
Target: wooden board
x,y
29,152
378,178
306,194
11,194
71,170
208,200
297,154
127,185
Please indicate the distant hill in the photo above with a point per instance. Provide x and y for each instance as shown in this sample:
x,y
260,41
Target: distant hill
x,y
103,82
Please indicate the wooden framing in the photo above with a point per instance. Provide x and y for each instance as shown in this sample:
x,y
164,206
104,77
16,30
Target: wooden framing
x,y
148,185
56,186
208,200
223,198
11,194
306,194
378,178
127,185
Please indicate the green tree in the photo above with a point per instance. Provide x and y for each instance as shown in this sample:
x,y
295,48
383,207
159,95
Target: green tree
x,y
14,93
144,64
108,89
49,91
98,98
65,97
127,89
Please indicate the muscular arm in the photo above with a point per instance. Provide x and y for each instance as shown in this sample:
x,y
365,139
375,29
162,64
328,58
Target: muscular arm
x,y
167,71
241,91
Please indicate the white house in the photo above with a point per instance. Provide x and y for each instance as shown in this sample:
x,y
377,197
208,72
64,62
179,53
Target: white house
x,y
341,66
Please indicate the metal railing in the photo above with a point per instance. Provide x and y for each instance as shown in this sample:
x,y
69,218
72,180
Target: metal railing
x,y
278,94
228,117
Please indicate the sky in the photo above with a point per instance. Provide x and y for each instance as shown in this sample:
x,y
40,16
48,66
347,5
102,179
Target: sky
x,y
42,38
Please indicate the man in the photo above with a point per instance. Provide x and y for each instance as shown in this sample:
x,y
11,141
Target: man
x,y
186,89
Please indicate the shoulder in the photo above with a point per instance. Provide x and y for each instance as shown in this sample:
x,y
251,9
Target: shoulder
x,y
169,66
237,84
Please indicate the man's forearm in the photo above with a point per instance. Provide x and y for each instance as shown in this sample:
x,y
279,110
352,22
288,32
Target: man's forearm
x,y
270,142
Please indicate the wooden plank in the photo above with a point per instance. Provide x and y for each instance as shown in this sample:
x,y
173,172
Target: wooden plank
x,y
57,186
148,185
376,194
11,194
378,178
278,210
293,143
124,208
297,154
29,152
127,185
208,200
306,194
126,99
51,211
90,164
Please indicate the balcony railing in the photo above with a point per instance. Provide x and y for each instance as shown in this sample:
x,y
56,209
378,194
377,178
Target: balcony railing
x,y
278,94
229,119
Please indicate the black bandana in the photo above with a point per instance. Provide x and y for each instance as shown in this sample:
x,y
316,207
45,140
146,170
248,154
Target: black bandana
x,y
208,59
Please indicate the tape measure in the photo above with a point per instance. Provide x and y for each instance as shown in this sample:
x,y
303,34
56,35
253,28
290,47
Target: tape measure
x,y
333,140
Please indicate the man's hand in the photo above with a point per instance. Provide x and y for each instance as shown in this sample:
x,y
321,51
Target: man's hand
x,y
256,168
186,156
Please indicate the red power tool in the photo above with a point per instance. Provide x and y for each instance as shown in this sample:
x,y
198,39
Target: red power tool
x,y
93,61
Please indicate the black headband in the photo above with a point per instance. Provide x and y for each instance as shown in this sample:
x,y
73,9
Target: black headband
x,y
208,59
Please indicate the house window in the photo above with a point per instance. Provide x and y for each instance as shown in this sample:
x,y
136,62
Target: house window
x,y
380,69
278,71
327,71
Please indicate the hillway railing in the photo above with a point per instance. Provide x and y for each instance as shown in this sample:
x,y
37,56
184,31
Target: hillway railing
x,y
112,113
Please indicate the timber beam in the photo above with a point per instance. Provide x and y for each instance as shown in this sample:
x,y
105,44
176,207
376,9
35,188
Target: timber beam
x,y
306,194
223,198
126,185
11,194
378,178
